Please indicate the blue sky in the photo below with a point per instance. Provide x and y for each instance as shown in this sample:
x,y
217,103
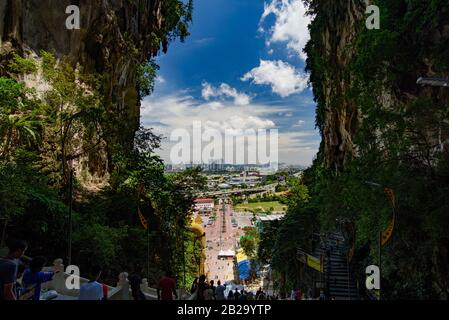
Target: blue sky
x,y
242,67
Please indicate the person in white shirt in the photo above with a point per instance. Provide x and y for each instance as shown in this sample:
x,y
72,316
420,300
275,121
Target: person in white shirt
x,y
93,290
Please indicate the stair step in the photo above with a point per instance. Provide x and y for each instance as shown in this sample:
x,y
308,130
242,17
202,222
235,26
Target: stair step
x,y
342,286
334,292
336,270
333,277
340,280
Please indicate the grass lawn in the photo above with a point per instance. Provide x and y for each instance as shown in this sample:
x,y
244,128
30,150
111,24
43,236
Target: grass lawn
x,y
264,206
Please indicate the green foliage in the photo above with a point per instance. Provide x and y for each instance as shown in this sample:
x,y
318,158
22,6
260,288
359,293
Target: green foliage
x,y
268,236
19,117
280,240
177,16
249,242
146,76
249,246
399,145
32,210
19,65
41,136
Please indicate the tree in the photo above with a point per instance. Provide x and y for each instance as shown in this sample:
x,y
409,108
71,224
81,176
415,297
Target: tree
x,y
249,245
20,118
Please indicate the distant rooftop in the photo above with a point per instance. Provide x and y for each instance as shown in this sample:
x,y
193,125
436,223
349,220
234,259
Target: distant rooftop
x,y
271,217
203,200
226,253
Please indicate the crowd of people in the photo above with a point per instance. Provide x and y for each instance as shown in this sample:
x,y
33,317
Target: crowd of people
x,y
22,278
202,290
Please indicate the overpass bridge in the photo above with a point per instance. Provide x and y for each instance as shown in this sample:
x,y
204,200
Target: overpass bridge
x,y
267,188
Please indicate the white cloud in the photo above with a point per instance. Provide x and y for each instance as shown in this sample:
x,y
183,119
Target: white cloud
x,y
223,91
179,111
298,147
300,123
283,78
168,113
291,24
160,79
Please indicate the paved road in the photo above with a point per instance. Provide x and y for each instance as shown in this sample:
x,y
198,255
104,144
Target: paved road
x,y
221,235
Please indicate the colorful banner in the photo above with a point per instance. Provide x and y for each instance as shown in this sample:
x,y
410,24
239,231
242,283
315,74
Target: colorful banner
x,y
315,263
243,265
142,219
391,197
386,235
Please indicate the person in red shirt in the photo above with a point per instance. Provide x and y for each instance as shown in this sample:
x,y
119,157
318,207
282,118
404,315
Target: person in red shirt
x,y
167,287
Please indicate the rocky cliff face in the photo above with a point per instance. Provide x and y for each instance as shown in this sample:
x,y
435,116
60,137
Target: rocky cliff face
x,y
371,110
339,25
116,36
335,49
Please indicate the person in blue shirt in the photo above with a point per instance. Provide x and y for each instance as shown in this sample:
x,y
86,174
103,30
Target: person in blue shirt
x,y
92,290
34,277
8,269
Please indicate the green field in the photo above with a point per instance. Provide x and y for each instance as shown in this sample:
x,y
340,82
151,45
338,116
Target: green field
x,y
264,206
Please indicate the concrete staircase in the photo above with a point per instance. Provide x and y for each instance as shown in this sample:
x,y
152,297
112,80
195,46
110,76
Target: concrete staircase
x,y
339,282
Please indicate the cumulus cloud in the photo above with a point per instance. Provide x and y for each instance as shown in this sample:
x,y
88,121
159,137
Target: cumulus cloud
x,y
168,114
225,91
291,24
160,79
179,111
283,78
300,123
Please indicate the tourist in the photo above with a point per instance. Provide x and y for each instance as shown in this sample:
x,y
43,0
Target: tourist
x,y
219,291
310,294
92,290
208,293
293,294
231,295
243,296
167,287
212,286
298,294
258,292
236,294
202,286
135,281
194,286
19,288
8,269
33,277
105,291
261,296
322,295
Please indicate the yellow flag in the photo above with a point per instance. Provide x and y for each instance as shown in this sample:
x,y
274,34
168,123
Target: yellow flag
x,y
386,235
314,263
142,219
391,197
